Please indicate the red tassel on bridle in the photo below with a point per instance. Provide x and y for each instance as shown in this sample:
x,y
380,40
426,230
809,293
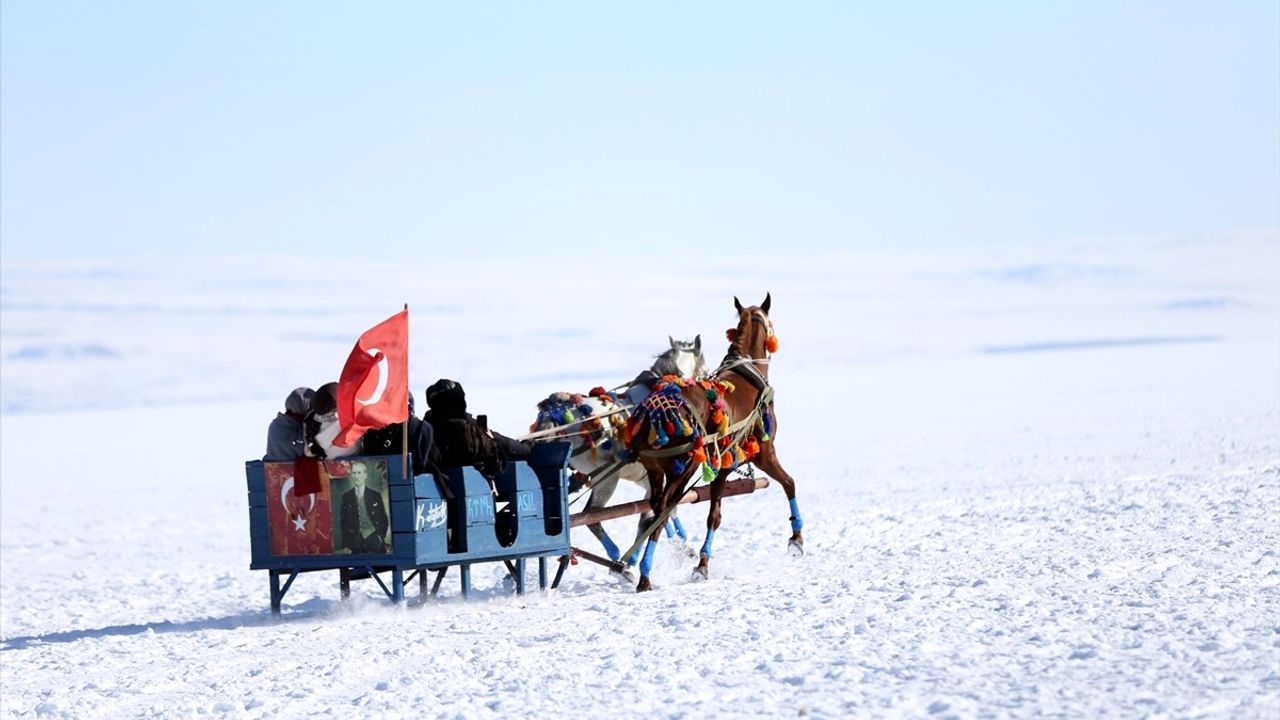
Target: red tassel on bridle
x,y
770,343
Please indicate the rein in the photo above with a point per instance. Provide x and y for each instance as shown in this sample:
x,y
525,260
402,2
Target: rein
x,y
559,429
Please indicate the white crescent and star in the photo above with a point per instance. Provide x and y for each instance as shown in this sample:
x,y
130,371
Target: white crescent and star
x,y
381,387
299,520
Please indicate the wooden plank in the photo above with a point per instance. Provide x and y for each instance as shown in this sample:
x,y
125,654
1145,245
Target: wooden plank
x,y
404,544
552,455
258,522
702,493
255,476
395,470
529,504
430,514
330,562
259,547
402,516
425,486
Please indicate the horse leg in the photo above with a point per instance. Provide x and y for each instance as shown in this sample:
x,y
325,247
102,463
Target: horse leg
x,y
713,523
675,527
600,495
657,501
767,461
646,518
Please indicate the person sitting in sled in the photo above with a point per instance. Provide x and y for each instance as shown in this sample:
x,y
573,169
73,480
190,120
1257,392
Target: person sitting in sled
x,y
287,435
322,426
461,439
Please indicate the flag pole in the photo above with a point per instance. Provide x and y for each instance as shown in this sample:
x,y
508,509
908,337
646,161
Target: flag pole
x,y
404,435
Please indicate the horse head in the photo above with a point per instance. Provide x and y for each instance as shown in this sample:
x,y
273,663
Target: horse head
x,y
683,359
753,337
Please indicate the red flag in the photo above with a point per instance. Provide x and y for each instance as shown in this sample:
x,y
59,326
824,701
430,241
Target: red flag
x,y
298,524
373,390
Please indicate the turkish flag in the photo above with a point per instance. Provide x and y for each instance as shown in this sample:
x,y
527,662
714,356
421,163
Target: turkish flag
x,y
298,523
373,390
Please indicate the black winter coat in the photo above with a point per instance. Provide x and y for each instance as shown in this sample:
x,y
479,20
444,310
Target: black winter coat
x,y
389,441
461,441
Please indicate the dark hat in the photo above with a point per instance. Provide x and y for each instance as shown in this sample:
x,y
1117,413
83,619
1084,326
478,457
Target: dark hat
x,y
325,400
447,397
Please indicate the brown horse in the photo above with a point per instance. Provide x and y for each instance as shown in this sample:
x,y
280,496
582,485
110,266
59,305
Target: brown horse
x,y
740,390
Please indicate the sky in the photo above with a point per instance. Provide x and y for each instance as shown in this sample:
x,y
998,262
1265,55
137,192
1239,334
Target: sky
x,y
413,130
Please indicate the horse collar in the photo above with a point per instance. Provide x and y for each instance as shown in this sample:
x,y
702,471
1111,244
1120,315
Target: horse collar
x,y
736,362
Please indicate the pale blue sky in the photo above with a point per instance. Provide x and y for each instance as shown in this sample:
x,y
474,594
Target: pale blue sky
x,y
376,128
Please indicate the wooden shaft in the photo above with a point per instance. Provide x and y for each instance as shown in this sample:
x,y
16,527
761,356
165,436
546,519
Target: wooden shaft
x,y
701,493
593,557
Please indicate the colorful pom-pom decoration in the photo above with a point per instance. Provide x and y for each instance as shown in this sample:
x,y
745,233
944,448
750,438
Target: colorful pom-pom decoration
x,y
771,344
707,474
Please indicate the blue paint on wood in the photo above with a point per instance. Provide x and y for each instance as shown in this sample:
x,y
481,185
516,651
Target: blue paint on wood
x,y
259,547
402,516
536,524
395,470
255,476
550,455
426,486
258,522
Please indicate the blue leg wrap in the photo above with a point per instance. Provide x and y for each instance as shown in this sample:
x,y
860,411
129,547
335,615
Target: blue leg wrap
x,y
680,529
796,522
669,530
610,549
634,557
706,544
646,562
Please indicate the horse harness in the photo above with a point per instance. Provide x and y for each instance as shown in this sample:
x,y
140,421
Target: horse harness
x,y
745,367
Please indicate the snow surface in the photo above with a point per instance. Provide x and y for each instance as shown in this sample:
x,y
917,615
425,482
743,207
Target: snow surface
x,y
1036,482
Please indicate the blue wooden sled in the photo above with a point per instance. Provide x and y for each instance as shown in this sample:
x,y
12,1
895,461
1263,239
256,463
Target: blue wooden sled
x,y
432,533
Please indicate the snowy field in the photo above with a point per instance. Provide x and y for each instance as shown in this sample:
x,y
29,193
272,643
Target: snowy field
x,y
1037,481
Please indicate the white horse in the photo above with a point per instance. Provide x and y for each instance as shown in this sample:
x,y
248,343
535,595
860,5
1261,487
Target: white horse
x,y
593,424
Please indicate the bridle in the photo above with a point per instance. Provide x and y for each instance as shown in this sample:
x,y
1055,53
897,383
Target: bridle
x,y
745,365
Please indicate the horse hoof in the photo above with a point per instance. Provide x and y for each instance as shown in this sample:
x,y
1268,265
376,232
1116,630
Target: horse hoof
x,y
795,546
700,574
627,574
644,584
